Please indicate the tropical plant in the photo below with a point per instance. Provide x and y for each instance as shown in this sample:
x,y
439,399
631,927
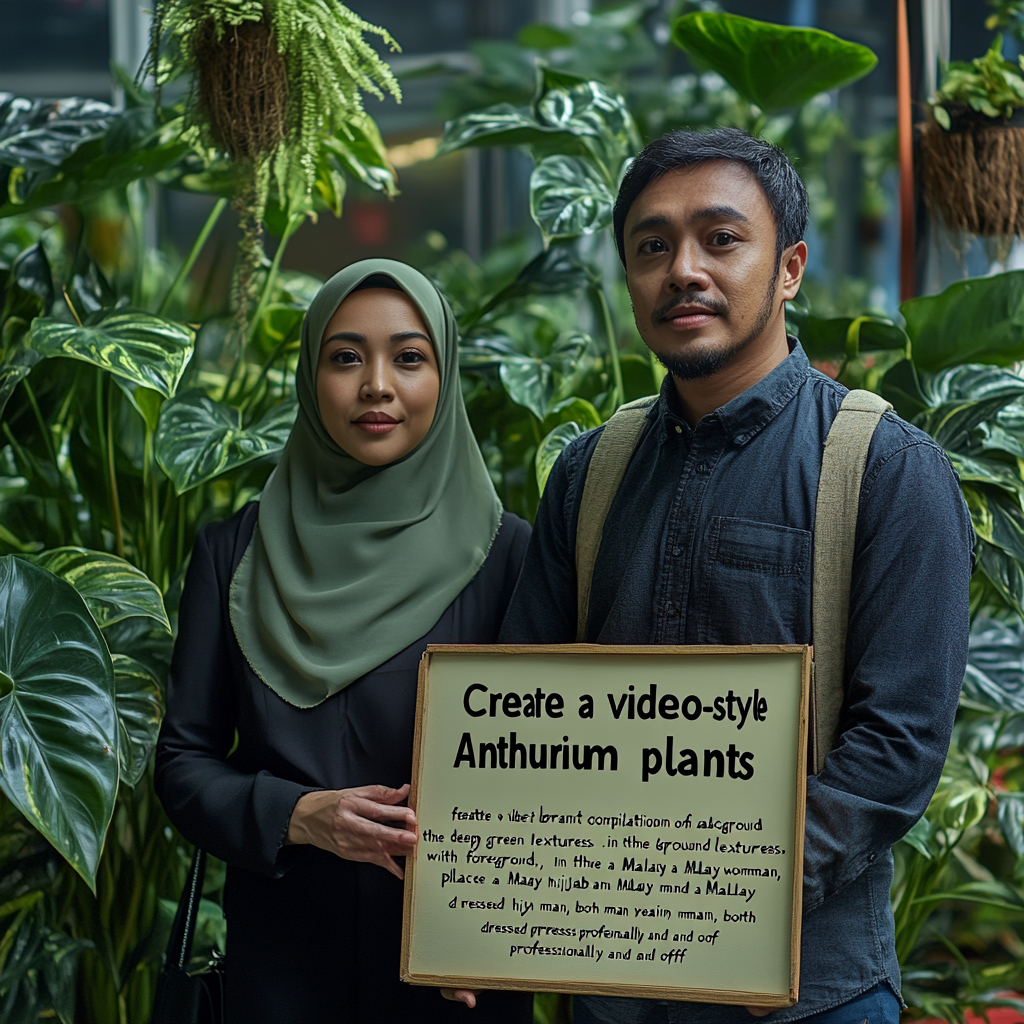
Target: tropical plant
x,y
989,85
271,81
124,431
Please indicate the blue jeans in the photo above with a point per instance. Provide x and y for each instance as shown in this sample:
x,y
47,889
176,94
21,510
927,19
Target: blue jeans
x,y
876,1006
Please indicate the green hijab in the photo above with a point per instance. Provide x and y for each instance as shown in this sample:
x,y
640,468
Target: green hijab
x,y
349,563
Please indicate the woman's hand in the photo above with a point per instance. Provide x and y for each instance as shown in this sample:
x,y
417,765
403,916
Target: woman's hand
x,y
347,822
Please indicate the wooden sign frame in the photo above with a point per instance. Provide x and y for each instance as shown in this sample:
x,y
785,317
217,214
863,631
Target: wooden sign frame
x,y
523,981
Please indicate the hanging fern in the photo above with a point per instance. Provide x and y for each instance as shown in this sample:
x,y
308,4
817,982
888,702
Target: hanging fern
x,y
270,79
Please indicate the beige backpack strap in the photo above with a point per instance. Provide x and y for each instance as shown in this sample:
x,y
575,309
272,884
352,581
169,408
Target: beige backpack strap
x,y
835,534
607,467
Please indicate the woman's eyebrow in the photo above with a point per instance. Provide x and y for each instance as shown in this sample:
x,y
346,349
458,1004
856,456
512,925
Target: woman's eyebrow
x,y
346,336
406,335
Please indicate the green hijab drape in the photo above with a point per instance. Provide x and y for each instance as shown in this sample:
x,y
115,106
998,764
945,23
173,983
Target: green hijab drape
x,y
349,563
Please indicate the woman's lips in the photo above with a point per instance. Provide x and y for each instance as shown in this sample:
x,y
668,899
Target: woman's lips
x,y
376,422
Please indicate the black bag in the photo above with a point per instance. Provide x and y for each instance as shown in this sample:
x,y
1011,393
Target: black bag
x,y
183,998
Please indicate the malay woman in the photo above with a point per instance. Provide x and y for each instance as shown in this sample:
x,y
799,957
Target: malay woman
x,y
286,749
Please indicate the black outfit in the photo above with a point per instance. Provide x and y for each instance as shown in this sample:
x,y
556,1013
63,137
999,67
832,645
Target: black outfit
x,y
311,937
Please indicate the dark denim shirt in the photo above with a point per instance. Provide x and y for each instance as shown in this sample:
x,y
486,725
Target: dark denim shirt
x,y
709,541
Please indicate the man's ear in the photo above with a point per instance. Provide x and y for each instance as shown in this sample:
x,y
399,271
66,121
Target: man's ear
x,y
794,260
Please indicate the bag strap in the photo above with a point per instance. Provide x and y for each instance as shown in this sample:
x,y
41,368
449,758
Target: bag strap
x,y
835,534
179,945
607,467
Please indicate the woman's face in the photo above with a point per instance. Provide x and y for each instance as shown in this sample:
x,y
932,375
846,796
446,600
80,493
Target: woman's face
x,y
377,380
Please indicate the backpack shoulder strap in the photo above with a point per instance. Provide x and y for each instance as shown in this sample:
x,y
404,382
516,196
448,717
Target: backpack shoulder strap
x,y
835,533
607,467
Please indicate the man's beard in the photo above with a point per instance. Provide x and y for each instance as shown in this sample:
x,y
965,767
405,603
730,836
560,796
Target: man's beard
x,y
700,364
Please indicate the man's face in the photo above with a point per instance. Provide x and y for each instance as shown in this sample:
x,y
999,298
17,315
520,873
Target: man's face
x,y
701,266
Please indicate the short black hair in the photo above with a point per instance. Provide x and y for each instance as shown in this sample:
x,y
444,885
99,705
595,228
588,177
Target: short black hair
x,y
781,185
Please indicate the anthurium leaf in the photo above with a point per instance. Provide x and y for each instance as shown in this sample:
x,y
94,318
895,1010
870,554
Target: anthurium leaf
x,y
506,125
31,272
774,66
550,448
1010,808
37,134
1005,573
995,665
918,837
952,422
997,518
980,320
58,722
988,471
139,711
823,338
528,383
15,366
568,198
360,150
971,382
902,386
112,587
576,410
136,346
556,270
146,402
198,438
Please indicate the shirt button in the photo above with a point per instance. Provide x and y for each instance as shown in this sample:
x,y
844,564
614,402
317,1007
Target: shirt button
x,y
675,551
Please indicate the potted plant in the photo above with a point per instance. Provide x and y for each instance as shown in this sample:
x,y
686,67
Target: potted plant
x,y
972,149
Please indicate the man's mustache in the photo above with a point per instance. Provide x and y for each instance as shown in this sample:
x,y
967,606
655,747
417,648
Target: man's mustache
x,y
716,306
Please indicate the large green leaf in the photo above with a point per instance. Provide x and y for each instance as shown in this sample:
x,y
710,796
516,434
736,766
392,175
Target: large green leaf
x,y
135,346
1005,573
550,448
774,66
980,320
113,588
139,711
198,439
58,720
952,422
569,116
360,150
568,198
846,337
997,518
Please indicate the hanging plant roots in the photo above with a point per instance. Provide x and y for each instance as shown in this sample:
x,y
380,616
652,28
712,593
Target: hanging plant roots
x,y
974,178
242,88
242,95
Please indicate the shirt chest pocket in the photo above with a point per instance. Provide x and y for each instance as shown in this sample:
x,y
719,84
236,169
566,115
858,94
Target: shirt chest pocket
x,y
756,583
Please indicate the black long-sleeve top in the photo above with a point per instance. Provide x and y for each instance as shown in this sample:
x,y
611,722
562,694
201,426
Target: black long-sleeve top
x,y
236,803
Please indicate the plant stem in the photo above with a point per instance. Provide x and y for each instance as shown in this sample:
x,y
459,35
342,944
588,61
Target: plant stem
x,y
294,220
193,255
115,500
613,345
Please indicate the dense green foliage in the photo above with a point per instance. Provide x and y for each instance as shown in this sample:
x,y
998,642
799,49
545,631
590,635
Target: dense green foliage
x,y
132,414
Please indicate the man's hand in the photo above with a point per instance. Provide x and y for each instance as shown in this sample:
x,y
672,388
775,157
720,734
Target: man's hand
x,y
759,1011
461,995
347,822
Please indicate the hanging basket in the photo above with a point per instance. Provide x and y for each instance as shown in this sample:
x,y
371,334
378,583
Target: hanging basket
x,y
242,86
972,175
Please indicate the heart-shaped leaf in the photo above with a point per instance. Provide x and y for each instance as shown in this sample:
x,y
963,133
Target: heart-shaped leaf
x,y
568,198
113,588
980,320
139,712
58,719
773,66
550,448
528,383
135,346
37,134
198,438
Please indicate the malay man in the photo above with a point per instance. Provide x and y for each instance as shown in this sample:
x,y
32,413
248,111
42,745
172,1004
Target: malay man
x,y
709,540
